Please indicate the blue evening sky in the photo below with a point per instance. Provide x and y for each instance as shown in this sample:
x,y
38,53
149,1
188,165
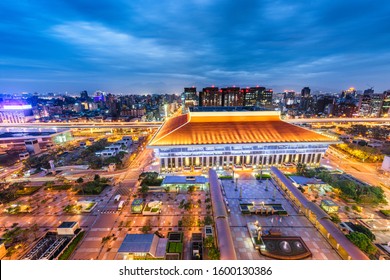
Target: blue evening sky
x,y
143,46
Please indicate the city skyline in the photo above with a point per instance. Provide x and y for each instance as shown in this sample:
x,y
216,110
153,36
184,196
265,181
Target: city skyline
x,y
148,47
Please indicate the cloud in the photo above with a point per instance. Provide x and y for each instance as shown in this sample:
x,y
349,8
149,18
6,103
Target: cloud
x,y
97,40
138,43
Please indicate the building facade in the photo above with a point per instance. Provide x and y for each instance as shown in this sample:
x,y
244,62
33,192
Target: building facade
x,y
201,140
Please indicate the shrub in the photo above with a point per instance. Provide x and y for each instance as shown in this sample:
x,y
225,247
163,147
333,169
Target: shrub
x,y
335,218
365,231
362,241
385,212
68,251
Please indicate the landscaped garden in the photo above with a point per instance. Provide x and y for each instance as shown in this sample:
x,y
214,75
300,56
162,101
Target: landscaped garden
x,y
347,188
150,179
94,187
175,244
81,206
262,176
152,208
13,191
18,208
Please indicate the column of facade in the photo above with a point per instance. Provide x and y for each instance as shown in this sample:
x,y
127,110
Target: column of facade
x,y
313,158
257,158
303,158
318,159
308,158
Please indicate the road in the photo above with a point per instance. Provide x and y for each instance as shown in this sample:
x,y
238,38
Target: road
x,y
338,120
84,125
108,218
366,172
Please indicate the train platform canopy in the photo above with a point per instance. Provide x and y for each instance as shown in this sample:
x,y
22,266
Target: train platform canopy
x,y
203,128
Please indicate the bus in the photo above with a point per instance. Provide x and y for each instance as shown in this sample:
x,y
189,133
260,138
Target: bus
x,y
117,198
120,205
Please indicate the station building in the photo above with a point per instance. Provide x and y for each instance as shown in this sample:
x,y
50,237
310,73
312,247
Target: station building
x,y
260,139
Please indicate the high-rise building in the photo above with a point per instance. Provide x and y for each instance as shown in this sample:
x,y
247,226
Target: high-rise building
x,y
289,99
84,95
324,105
190,95
232,96
236,97
189,98
210,96
376,104
365,104
385,104
306,101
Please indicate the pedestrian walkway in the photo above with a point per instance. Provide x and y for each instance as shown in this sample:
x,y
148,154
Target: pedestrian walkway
x,y
295,224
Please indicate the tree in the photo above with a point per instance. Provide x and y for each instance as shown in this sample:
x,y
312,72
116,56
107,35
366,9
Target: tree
x,y
300,169
208,220
335,218
80,182
209,242
365,231
146,228
214,253
96,177
362,241
189,221
144,189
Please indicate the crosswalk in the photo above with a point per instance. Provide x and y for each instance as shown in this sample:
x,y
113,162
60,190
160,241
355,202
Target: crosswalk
x,y
123,191
109,211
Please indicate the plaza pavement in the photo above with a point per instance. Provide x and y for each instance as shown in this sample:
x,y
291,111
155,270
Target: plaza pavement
x,y
292,225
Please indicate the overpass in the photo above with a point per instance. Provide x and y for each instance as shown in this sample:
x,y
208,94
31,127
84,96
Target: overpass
x,y
158,124
83,125
337,120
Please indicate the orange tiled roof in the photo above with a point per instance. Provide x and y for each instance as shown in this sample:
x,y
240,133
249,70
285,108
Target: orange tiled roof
x,y
198,130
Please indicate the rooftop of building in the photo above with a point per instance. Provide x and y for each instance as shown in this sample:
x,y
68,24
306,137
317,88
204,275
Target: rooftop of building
x,y
67,224
328,202
202,128
301,180
144,243
188,180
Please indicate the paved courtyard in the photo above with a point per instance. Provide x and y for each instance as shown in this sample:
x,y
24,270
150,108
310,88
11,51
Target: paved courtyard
x,y
249,191
120,223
